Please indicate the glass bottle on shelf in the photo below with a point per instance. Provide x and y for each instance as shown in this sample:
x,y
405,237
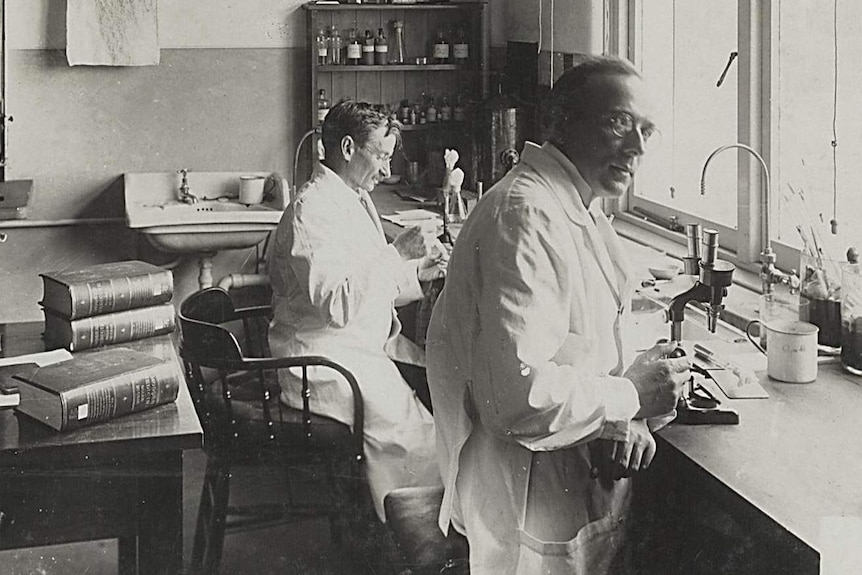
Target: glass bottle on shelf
x,y
431,111
398,56
404,112
445,112
322,106
368,49
381,48
354,48
441,49
335,46
458,110
322,47
461,49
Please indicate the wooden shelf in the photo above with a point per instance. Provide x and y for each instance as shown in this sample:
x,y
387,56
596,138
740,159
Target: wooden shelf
x,y
425,6
434,126
394,67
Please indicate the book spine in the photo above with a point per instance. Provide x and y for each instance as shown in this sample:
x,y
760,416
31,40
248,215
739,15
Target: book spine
x,y
129,325
121,395
119,294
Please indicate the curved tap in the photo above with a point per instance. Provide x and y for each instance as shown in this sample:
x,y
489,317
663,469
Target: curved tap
x,y
769,274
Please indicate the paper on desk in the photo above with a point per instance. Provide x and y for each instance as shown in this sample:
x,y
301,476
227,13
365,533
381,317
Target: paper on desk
x,y
728,379
10,366
41,358
407,218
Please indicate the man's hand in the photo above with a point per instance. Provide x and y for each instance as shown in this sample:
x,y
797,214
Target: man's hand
x,y
410,244
613,460
659,381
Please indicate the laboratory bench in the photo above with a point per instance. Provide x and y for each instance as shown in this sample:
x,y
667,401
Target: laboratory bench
x,y
758,494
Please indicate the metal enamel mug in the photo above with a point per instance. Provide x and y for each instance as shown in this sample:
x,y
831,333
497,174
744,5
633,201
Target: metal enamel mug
x,y
791,349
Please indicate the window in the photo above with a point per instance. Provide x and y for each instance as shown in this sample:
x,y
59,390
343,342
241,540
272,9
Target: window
x,y
778,94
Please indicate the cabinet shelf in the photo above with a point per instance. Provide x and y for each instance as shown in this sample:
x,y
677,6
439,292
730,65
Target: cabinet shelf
x,y
434,126
407,7
393,67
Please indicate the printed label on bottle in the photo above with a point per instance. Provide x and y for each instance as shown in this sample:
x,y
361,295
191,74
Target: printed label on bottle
x,y
321,114
461,51
368,48
322,52
354,51
381,48
441,51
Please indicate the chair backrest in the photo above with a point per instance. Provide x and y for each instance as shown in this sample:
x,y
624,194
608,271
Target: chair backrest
x,y
204,338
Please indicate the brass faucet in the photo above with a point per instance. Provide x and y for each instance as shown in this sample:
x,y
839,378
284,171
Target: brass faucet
x,y
769,274
185,193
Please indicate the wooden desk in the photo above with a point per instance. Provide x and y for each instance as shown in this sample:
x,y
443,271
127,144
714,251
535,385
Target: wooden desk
x,y
118,479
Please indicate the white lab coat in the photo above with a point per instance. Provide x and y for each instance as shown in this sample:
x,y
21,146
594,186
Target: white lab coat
x,y
335,282
524,365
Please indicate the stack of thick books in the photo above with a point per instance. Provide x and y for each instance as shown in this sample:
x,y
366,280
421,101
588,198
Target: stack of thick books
x,y
107,304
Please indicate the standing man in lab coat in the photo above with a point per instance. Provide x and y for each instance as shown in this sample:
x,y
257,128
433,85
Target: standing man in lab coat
x,y
540,419
336,283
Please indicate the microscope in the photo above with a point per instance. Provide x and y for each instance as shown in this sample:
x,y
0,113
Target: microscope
x,y
697,406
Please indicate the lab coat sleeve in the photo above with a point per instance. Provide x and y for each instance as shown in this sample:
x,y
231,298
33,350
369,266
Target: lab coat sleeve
x,y
538,391
340,273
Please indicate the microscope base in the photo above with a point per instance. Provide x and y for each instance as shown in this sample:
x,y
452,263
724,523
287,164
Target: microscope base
x,y
688,415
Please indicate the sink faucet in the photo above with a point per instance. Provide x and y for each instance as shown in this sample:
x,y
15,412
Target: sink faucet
x,y
185,195
769,274
714,278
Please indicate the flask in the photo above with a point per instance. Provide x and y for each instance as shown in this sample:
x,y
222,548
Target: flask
x,y
322,47
460,49
368,49
322,106
335,55
398,56
381,48
354,48
441,49
404,112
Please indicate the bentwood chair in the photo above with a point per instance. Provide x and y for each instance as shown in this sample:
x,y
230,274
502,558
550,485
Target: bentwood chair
x,y
234,386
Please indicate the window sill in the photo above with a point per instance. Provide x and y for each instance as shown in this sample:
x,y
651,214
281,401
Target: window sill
x,y
743,298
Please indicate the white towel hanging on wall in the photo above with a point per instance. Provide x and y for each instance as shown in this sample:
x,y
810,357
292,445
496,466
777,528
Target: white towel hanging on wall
x,y
112,32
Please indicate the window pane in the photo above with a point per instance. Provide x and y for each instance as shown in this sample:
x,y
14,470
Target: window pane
x,y
807,101
684,50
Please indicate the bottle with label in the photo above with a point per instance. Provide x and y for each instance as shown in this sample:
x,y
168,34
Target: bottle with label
x,y
354,48
322,106
441,49
335,47
368,49
404,112
431,110
381,48
458,110
322,47
445,112
461,49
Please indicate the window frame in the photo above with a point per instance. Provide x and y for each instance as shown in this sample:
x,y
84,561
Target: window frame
x,y
756,124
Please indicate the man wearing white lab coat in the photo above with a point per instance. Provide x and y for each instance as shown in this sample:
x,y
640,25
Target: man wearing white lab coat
x,y
539,422
335,283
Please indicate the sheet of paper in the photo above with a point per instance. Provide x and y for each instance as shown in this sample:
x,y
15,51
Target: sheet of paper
x,y
41,358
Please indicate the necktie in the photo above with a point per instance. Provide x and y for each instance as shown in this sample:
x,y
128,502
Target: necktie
x,y
365,200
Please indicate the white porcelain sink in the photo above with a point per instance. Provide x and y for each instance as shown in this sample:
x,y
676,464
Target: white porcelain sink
x,y
216,222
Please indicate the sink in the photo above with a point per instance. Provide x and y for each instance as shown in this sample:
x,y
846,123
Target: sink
x,y
216,222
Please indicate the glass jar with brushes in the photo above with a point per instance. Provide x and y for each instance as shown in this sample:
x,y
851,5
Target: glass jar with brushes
x,y
820,278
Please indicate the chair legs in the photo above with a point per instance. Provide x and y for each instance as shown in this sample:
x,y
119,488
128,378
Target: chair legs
x,y
212,517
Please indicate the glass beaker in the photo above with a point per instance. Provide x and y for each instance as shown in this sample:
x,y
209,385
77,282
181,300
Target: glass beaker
x,y
775,308
821,287
851,318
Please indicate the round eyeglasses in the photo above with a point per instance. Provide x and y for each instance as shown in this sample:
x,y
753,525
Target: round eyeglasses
x,y
621,124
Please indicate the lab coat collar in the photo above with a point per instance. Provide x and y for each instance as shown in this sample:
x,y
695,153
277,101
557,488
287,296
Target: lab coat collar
x,y
345,198
550,162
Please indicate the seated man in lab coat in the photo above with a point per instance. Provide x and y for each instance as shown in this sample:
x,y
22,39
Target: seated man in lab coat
x,y
540,418
336,282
